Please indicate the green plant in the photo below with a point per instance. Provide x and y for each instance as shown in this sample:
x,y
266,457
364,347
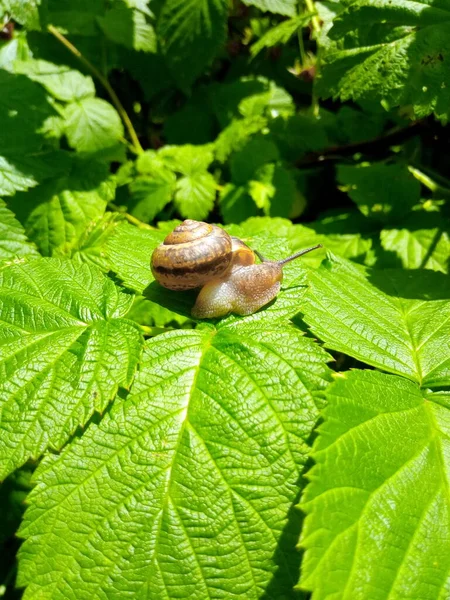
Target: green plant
x,y
301,450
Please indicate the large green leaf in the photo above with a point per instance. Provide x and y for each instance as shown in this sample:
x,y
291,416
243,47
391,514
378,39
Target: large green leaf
x,y
378,507
64,350
13,241
394,51
396,320
194,475
191,33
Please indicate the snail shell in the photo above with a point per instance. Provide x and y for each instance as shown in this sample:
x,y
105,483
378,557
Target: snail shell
x,y
197,254
190,256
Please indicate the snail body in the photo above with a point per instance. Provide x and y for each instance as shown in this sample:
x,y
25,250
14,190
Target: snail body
x,y
199,255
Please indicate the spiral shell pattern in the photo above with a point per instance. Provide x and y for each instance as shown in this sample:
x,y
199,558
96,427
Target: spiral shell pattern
x,y
191,255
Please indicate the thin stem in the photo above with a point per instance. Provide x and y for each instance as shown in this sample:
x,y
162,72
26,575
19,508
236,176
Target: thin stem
x,y
298,254
315,23
431,183
130,218
301,45
103,80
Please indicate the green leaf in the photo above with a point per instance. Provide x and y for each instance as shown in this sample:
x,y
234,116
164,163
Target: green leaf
x,y
348,234
60,81
129,251
185,26
257,152
25,13
395,320
236,135
377,504
196,190
383,191
281,33
249,97
236,204
195,195
423,242
281,7
25,158
92,124
298,134
206,454
149,196
57,212
395,52
129,27
65,349
90,247
13,241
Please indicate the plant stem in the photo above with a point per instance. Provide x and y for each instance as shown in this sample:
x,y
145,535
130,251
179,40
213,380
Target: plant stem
x,y
424,179
104,81
130,218
315,23
431,182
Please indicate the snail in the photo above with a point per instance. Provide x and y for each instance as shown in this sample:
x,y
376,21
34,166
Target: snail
x,y
199,255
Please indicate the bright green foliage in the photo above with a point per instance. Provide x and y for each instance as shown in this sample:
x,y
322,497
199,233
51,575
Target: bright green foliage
x,y
171,467
378,509
206,452
13,241
65,349
391,319
396,51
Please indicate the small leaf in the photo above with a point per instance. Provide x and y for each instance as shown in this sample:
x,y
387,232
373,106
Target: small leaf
x,y
281,33
128,27
13,241
392,319
195,195
92,124
206,454
149,196
377,504
65,349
